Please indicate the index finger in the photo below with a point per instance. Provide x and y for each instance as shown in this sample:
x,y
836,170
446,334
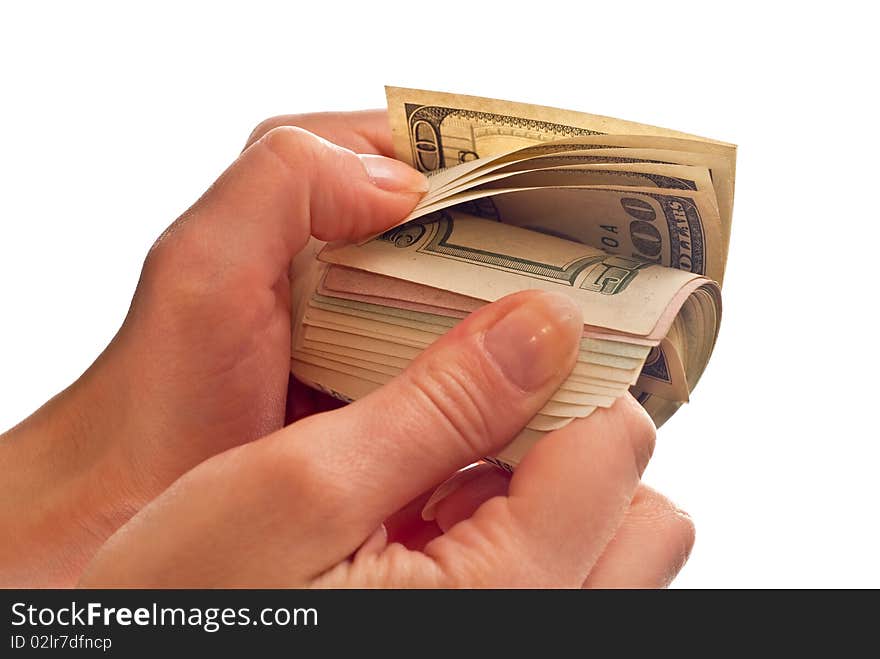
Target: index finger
x,y
363,131
565,501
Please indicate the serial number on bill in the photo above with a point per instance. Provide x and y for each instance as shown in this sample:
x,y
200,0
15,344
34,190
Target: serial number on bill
x,y
59,642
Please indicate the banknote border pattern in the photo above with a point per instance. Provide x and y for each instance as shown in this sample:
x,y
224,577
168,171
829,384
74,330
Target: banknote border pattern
x,y
695,230
435,114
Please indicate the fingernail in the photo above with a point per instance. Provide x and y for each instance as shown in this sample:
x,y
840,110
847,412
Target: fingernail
x,y
536,341
393,175
452,484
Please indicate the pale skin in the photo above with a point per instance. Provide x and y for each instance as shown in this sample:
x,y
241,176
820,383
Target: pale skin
x,y
186,456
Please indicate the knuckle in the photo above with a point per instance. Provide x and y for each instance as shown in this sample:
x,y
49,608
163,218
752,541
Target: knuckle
x,y
183,272
182,262
651,509
679,534
687,532
293,146
295,479
309,121
473,554
169,251
268,124
454,397
321,181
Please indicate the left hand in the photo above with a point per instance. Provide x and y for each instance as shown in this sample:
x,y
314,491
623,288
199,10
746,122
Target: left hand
x,y
201,362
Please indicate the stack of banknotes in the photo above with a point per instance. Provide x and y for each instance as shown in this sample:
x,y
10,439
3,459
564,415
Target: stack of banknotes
x,y
631,221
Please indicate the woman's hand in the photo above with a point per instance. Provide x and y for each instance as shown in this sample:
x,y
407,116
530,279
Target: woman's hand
x,y
202,360
307,505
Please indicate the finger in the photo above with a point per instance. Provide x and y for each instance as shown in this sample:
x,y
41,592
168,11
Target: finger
x,y
340,474
462,502
407,527
453,483
464,397
375,544
649,548
286,187
366,131
565,501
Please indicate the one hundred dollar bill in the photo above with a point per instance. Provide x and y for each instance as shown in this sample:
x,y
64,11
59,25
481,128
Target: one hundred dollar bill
x,y
629,220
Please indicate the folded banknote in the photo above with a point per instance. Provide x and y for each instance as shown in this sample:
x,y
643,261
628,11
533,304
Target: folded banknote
x,y
630,221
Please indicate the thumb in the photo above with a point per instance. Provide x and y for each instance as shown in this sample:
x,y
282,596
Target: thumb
x,y
287,186
463,398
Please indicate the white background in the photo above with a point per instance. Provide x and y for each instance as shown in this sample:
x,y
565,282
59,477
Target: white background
x,y
113,121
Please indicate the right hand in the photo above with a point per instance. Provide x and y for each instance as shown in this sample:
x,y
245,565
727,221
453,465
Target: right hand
x,y
306,505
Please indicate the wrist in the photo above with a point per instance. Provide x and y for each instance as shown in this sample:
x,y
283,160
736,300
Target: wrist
x,y
62,491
